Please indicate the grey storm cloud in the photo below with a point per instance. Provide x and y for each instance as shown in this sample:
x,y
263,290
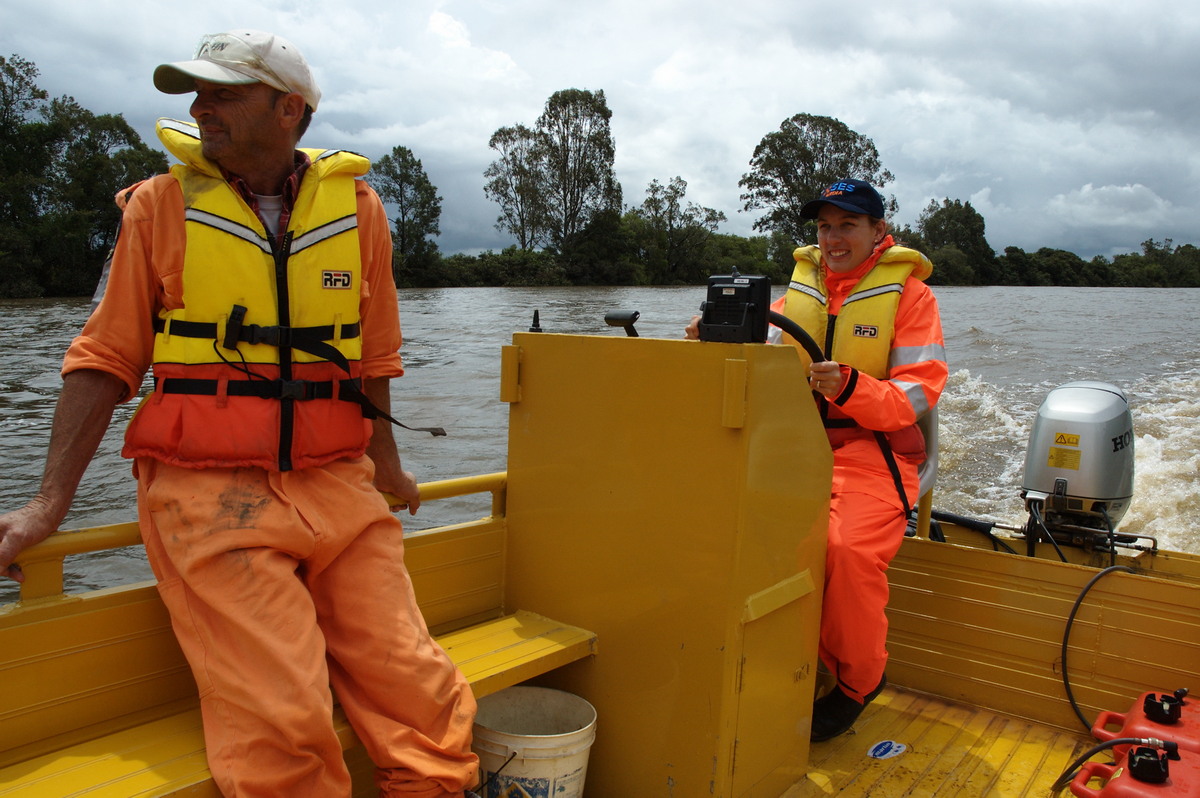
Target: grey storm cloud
x,y
1066,125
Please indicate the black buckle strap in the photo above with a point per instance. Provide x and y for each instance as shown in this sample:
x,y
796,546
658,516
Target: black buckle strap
x,y
274,336
889,457
369,410
300,390
349,390
297,337
297,389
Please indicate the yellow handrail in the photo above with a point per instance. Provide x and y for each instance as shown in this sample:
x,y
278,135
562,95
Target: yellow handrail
x,y
43,564
494,483
924,513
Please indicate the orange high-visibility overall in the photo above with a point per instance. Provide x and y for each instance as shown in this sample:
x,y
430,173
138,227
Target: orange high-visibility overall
x,y
282,582
889,381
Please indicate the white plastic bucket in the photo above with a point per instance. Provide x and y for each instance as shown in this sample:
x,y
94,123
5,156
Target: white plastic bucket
x,y
536,739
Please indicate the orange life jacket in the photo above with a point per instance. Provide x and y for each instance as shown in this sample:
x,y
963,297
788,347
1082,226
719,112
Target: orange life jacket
x,y
861,334
261,364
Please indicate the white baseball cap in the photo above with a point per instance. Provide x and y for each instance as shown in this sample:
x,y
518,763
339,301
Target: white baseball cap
x,y
239,57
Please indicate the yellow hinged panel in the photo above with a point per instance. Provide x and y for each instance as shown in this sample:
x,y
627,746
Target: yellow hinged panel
x,y
661,491
510,384
733,411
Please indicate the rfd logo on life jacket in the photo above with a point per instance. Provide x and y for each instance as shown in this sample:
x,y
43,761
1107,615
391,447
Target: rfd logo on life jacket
x,y
866,331
332,279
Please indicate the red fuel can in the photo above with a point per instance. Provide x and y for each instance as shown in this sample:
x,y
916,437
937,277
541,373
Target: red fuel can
x,y
1165,716
1181,778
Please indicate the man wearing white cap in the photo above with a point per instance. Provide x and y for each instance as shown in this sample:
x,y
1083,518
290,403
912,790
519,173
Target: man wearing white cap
x,y
255,280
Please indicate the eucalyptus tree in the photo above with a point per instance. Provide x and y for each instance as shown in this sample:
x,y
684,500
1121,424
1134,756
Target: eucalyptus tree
x,y
401,182
552,180
514,183
795,163
678,233
60,166
954,223
91,158
25,141
575,138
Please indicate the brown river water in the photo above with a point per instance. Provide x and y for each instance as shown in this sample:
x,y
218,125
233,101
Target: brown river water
x,y
1007,348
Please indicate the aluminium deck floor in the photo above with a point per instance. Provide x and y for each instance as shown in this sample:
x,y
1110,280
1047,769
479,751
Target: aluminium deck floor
x,y
951,750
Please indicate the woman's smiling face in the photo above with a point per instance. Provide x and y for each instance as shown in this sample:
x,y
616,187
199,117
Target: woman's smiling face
x,y
846,239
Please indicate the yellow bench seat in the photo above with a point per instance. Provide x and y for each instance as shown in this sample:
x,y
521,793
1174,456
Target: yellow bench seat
x,y
165,756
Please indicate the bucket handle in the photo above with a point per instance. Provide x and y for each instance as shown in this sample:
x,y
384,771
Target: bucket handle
x,y
484,789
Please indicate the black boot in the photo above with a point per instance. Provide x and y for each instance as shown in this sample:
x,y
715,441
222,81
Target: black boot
x,y
835,712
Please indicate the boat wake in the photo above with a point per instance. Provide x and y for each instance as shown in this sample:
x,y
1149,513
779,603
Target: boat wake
x,y
984,430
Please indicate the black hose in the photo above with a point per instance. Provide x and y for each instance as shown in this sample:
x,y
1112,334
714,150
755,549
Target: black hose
x,y
802,337
975,525
1067,636
1112,537
1035,516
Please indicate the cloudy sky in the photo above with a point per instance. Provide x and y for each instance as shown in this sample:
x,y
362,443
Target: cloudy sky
x,y
1070,124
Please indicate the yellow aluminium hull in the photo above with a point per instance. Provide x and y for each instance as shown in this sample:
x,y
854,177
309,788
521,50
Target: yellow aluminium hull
x,y
975,655
665,501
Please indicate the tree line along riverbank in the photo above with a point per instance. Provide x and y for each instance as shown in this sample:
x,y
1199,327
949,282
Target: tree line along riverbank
x,y
555,189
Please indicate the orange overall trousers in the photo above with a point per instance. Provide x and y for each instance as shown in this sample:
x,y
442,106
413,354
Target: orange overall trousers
x,y
280,584
866,528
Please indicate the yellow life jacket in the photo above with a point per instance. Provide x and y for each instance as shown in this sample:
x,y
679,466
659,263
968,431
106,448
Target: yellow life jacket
x,y
261,365
861,333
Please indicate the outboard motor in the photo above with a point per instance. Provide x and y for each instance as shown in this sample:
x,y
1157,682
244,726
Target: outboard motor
x,y
1078,479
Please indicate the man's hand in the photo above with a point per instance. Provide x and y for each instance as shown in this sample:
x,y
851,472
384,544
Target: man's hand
x,y
81,416
21,529
390,476
400,483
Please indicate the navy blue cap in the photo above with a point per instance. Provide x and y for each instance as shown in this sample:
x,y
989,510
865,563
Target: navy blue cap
x,y
855,196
